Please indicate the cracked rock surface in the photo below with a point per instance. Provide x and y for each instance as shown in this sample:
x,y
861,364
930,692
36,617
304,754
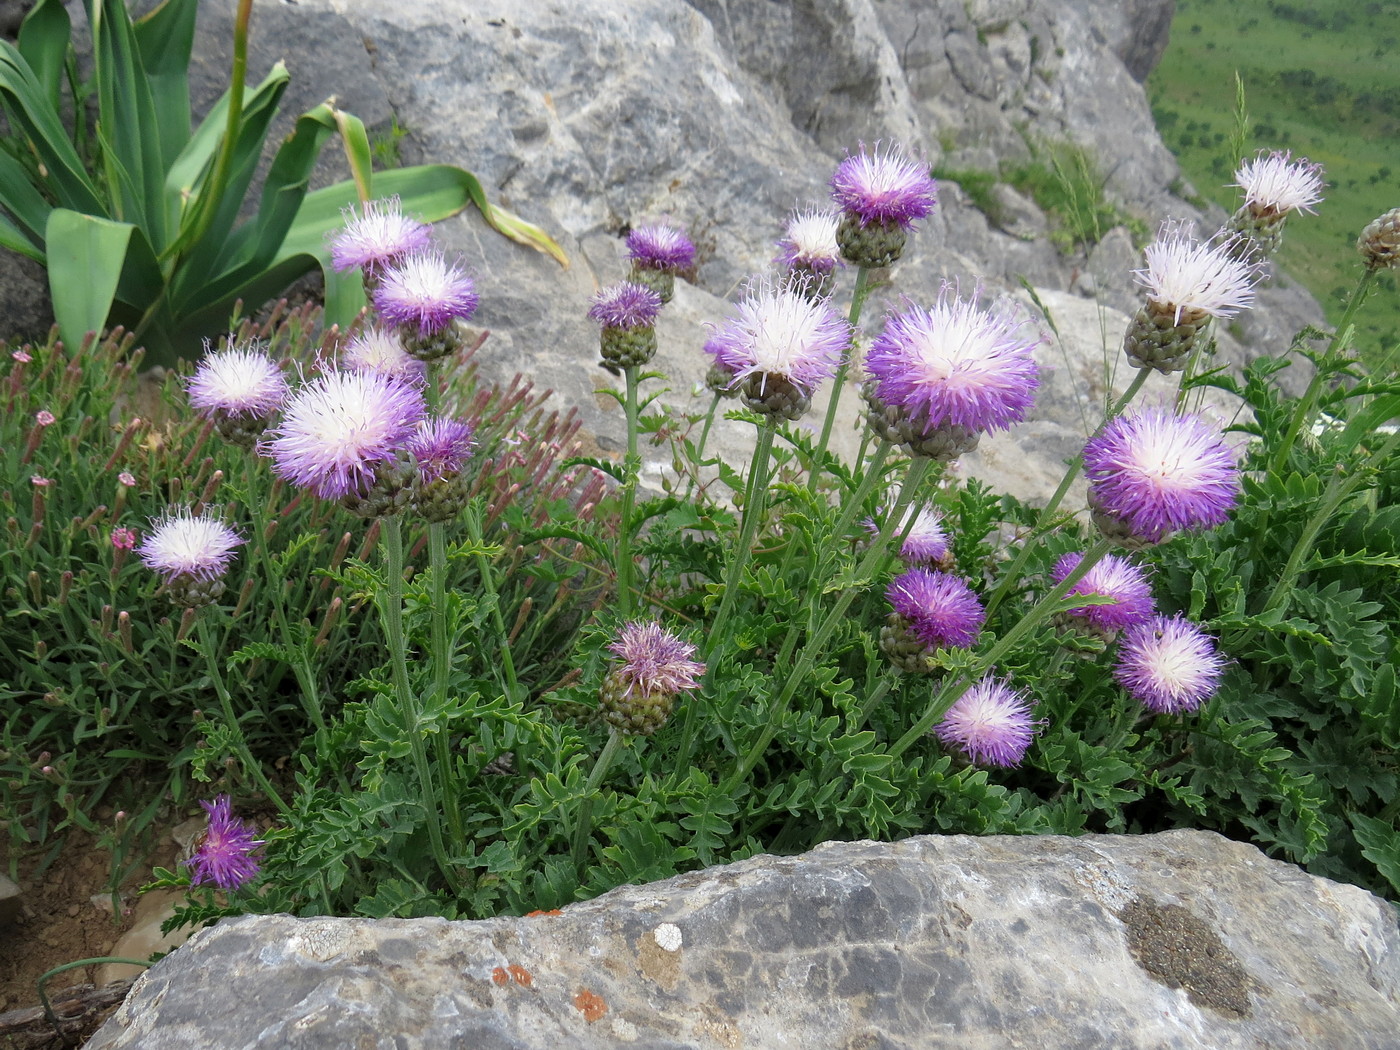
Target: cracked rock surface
x,y
1178,941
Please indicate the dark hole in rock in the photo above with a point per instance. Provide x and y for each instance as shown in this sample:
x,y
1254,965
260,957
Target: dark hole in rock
x,y
1181,951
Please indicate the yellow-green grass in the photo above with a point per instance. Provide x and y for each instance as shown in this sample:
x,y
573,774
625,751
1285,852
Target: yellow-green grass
x,y
1321,78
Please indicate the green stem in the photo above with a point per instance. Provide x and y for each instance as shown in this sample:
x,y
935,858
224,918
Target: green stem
x,y
391,611
206,642
868,706
442,660
1043,522
1303,413
705,430
583,827
755,502
812,652
858,297
488,583
631,467
1034,617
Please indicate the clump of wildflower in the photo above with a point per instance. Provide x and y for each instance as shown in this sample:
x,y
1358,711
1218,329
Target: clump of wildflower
x,y
659,253
1153,472
939,378
343,436
1168,664
637,696
1188,282
627,313
931,611
808,251
1379,243
779,348
440,449
240,388
881,196
1275,185
226,855
379,237
424,296
991,723
377,349
191,554
1111,577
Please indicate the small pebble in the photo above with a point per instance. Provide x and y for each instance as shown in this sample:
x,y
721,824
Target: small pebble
x,y
73,910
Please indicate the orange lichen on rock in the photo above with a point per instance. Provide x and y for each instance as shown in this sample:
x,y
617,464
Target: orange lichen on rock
x,y
521,976
499,976
552,911
590,1005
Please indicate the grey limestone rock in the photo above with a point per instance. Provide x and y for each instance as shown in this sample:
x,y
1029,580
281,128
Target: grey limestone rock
x,y
1178,941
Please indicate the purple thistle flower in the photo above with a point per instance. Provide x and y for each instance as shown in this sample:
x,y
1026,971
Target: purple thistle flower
x,y
426,293
1192,279
1168,664
337,429
884,188
240,380
1111,577
626,306
991,722
654,661
225,855
941,610
924,539
441,447
377,349
809,242
779,333
955,365
182,545
1276,184
660,247
379,237
1157,472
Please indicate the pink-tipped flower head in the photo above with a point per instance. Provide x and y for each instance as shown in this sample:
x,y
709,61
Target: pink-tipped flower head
x,y
627,313
239,387
1168,664
924,542
440,448
881,196
779,348
938,609
338,430
380,236
126,478
1111,577
190,553
44,418
660,247
991,723
808,251
1153,472
425,296
637,696
953,372
377,349
1276,184
1191,279
226,855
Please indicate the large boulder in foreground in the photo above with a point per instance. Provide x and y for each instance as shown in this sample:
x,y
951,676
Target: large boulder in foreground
x,y
1178,940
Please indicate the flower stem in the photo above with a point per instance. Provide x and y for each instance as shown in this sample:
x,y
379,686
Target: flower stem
x,y
705,430
858,297
812,652
206,643
631,468
583,827
954,688
755,502
1043,520
488,583
391,611
442,660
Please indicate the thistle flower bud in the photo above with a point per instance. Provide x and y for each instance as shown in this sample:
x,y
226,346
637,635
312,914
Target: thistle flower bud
x,y
627,313
441,448
1379,243
658,253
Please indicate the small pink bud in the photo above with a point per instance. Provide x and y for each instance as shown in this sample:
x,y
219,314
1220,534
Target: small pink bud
x,y
21,356
44,418
126,478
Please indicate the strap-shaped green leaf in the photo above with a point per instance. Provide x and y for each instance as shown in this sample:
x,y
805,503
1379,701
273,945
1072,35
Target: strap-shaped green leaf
x,y
38,122
44,37
92,262
165,38
12,237
19,197
127,115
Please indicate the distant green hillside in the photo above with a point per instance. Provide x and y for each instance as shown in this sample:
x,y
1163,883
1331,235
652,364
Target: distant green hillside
x,y
1322,78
